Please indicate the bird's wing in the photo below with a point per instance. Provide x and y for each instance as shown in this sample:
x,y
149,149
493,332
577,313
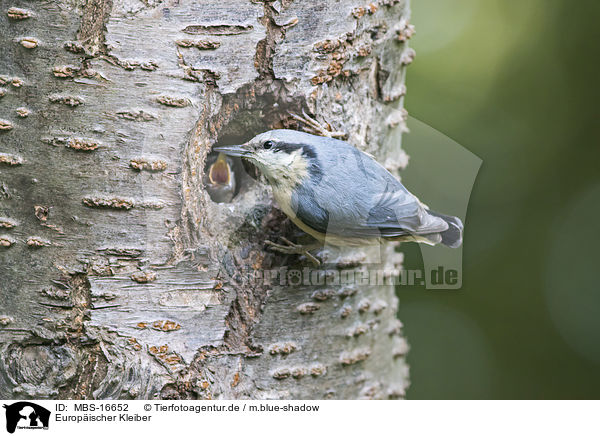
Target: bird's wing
x,y
309,210
356,197
392,213
399,213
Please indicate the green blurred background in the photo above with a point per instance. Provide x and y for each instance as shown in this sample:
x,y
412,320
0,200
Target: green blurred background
x,y
515,82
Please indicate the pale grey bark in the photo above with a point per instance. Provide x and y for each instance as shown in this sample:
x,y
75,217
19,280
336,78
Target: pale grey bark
x,y
116,267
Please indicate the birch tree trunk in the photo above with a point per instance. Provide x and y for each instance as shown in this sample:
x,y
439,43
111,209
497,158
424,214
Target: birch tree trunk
x,y
120,277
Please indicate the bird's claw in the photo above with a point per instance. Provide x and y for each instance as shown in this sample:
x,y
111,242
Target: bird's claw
x,y
291,248
314,127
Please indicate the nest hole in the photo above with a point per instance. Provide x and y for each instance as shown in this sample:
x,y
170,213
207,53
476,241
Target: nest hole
x,y
226,177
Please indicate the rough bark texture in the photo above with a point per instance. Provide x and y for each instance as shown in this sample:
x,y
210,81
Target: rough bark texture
x,y
118,271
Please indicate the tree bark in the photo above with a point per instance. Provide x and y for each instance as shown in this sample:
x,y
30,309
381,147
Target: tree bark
x,y
120,277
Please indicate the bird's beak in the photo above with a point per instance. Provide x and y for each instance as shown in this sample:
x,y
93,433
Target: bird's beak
x,y
232,150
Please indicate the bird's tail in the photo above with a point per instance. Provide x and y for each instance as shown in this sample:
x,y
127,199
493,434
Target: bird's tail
x,y
453,236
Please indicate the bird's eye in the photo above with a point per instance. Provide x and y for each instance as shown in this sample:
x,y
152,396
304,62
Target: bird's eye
x,y
268,144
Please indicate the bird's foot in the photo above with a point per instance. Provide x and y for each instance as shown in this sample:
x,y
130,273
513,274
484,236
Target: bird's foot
x,y
316,128
291,248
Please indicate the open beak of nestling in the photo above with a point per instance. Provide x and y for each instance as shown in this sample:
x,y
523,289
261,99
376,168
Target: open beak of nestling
x,y
220,173
233,150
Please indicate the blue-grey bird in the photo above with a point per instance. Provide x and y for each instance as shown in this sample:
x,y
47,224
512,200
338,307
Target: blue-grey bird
x,y
341,195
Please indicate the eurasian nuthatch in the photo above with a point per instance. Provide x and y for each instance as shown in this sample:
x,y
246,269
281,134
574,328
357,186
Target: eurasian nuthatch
x,y
219,178
340,195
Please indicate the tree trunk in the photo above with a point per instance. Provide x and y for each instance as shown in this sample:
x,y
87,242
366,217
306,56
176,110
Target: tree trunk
x,y
121,278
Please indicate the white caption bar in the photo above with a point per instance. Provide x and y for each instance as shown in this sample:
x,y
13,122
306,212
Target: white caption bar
x,y
302,417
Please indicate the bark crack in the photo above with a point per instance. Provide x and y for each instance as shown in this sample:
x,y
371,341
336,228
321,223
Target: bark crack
x,y
93,26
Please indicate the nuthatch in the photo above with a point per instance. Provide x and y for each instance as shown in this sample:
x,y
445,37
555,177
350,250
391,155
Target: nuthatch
x,y
219,179
340,195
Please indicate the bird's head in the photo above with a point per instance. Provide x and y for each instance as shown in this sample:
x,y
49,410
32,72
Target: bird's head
x,y
283,156
220,179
